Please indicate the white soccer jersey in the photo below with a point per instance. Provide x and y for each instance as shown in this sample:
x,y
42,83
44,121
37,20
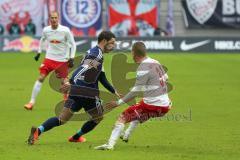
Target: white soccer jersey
x,y
151,80
59,41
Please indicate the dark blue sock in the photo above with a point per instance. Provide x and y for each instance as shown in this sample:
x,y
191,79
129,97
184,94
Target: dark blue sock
x,y
49,124
87,127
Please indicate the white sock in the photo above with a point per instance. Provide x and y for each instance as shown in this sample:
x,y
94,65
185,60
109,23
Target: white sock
x,y
115,134
36,89
130,129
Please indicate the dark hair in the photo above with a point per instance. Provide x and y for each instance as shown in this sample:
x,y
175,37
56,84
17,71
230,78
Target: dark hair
x,y
139,49
107,35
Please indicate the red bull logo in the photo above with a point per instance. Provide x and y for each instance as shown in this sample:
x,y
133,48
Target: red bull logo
x,y
23,44
55,41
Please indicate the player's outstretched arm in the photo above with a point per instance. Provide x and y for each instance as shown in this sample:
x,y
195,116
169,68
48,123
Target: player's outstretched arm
x,y
141,81
104,81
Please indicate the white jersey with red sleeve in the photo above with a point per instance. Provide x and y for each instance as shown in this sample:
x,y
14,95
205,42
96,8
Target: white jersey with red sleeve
x,y
60,42
152,82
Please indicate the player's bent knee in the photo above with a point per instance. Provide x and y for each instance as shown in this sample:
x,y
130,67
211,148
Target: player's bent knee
x,y
121,119
65,115
98,119
61,121
41,78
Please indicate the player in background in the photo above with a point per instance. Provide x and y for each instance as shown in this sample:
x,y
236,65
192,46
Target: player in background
x,y
59,56
151,81
83,91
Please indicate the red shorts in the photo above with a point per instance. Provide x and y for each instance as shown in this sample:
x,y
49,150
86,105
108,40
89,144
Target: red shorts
x,y
143,112
60,68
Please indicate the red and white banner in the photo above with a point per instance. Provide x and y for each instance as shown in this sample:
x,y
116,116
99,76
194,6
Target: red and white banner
x,y
133,17
21,11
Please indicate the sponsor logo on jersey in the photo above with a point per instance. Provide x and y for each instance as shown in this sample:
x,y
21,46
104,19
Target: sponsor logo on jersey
x,y
202,10
55,41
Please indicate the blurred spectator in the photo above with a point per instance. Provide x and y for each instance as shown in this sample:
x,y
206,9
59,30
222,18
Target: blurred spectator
x,y
160,32
30,28
21,18
14,29
145,29
1,29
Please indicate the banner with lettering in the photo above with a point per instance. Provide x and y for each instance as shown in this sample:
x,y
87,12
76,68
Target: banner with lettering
x,y
212,13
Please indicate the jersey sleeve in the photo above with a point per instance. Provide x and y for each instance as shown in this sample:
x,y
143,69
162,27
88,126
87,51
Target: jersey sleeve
x,y
42,40
104,81
71,43
89,67
141,81
95,55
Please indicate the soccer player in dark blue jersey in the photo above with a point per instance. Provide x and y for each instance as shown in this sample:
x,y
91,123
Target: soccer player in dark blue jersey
x,y
83,91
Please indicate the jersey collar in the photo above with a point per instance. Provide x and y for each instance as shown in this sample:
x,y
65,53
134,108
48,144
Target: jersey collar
x,y
100,49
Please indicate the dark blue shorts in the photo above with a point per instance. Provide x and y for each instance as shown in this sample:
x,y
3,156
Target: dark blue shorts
x,y
76,103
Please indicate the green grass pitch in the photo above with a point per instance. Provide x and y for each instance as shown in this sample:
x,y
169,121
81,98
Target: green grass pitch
x,y
203,124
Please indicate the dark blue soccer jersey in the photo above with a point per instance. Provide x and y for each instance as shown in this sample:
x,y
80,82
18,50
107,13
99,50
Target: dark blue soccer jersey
x,y
86,75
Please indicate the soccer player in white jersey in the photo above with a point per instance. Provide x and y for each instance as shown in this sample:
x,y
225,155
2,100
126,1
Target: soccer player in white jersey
x,y
59,56
152,82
